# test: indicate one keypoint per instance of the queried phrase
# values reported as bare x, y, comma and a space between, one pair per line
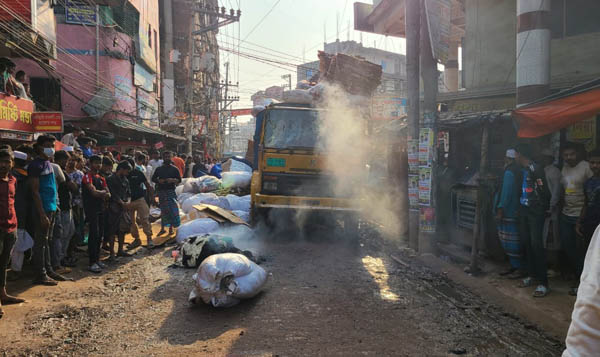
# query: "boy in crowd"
44, 191
95, 194
589, 219
63, 237
118, 218
106, 170
140, 187
23, 202
575, 173
8, 223
534, 203
74, 172
166, 178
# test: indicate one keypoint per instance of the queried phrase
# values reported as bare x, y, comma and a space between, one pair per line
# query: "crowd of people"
540, 207
55, 203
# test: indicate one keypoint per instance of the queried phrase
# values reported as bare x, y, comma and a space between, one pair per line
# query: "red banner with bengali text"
47, 122
15, 114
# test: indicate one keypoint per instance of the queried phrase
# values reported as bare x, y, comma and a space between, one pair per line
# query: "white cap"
20, 155
511, 154
68, 148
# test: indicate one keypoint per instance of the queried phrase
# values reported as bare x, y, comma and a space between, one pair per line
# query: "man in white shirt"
574, 174
154, 162
71, 138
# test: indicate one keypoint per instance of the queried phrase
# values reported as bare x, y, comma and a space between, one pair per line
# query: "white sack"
238, 203
242, 279
179, 190
23, 243
196, 227
297, 96
236, 179
208, 198
583, 338
239, 166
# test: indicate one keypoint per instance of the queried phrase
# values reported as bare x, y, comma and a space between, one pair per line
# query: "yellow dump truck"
290, 167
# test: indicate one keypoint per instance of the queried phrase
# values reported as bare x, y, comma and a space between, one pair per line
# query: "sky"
292, 30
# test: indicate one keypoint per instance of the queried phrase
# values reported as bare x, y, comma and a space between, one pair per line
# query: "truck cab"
290, 166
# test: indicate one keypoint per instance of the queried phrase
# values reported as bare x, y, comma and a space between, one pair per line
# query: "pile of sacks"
240, 206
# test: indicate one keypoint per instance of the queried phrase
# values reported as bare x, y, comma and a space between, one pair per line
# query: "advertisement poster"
413, 156
413, 190
426, 147
583, 132
425, 186
427, 220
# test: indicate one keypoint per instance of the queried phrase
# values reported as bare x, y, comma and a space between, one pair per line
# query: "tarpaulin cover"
550, 116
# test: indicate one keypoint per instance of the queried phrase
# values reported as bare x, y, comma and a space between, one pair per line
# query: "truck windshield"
289, 129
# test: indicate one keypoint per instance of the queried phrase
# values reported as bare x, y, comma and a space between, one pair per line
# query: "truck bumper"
308, 203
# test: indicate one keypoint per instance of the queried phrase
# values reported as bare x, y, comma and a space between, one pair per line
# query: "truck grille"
298, 185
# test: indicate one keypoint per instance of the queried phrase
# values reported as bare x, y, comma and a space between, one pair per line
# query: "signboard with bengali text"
15, 114
48, 122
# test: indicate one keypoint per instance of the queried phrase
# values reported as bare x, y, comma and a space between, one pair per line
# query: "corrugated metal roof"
144, 129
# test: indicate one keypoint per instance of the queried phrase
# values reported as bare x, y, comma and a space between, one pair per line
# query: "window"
574, 17
149, 36
45, 93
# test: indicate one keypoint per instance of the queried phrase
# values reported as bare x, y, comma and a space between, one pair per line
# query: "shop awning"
558, 111
144, 129
454, 120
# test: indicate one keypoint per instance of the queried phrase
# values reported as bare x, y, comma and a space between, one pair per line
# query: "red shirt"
179, 163
8, 215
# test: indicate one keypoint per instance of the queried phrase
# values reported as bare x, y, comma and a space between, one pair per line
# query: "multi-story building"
107, 76
27, 34
191, 77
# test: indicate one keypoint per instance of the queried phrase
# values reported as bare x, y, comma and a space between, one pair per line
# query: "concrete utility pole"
413, 26
189, 124
533, 50
430, 76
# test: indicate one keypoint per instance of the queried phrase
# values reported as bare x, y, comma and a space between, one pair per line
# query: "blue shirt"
508, 195
43, 170
87, 152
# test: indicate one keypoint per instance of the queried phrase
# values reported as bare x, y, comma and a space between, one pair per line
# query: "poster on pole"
426, 147
425, 186
439, 14
413, 156
413, 190
427, 220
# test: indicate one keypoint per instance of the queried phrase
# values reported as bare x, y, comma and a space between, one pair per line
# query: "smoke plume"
348, 150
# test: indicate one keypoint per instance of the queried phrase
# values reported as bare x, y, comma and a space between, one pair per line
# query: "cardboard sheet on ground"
219, 214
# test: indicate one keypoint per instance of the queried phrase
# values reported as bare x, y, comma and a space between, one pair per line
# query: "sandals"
527, 282
136, 243
541, 291
11, 300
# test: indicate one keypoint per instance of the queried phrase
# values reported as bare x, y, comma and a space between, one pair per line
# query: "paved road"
324, 298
